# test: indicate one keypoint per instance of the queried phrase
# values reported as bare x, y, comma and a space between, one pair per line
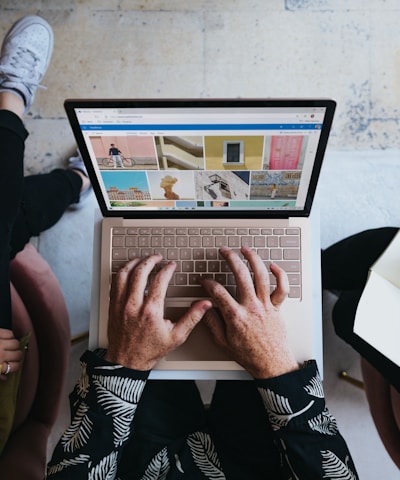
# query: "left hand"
138, 334
10, 353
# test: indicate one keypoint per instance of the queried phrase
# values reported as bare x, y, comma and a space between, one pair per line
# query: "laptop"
182, 177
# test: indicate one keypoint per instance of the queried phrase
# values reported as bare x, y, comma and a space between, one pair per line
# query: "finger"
120, 281
185, 325
220, 295
158, 288
139, 277
241, 273
261, 274
5, 333
10, 367
10, 345
215, 323
15, 366
281, 291
13, 355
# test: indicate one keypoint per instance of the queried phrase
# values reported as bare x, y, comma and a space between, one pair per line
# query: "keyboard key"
187, 266
272, 241
289, 266
188, 291
173, 254
294, 292
118, 241
119, 254
289, 241
233, 242
119, 231
131, 241
292, 254
192, 291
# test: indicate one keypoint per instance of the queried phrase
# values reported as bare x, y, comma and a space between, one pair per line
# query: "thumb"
216, 325
184, 326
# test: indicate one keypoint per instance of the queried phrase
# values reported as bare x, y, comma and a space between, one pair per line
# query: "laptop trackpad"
199, 346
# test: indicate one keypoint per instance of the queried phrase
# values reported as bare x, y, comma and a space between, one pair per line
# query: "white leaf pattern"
126, 388
324, 423
293, 475
119, 397
83, 384
315, 388
278, 408
204, 455
79, 460
78, 433
106, 469
158, 467
334, 468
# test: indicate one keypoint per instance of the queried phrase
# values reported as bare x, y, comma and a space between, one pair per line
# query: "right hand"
250, 329
10, 352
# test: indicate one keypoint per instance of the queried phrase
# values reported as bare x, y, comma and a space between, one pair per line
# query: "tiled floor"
162, 49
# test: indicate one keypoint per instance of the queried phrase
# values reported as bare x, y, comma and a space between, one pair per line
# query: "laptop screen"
237, 156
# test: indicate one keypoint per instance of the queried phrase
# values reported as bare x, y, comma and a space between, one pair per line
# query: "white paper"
378, 316
388, 264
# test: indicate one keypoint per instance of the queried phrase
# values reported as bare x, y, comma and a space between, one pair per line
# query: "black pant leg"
168, 411
44, 200
345, 264
241, 432
12, 141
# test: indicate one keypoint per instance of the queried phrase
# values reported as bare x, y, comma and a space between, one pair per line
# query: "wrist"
127, 361
268, 373
274, 366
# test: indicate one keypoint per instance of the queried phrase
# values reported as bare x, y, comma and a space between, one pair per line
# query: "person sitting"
128, 427
29, 205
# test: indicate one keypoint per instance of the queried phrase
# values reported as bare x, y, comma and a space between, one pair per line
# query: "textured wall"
347, 50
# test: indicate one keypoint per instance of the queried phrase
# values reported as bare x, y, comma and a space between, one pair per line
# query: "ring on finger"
8, 369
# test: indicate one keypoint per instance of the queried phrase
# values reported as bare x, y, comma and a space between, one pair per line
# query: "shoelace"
25, 59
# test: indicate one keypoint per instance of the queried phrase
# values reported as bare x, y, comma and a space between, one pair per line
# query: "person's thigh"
12, 138
168, 411
241, 432
345, 264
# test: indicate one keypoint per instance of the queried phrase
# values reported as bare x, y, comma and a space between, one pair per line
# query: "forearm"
306, 433
103, 406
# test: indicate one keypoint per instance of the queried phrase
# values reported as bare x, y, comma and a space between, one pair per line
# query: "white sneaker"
25, 56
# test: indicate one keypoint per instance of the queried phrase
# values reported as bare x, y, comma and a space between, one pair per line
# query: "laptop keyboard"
195, 251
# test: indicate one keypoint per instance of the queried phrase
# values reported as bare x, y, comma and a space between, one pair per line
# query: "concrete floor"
108, 48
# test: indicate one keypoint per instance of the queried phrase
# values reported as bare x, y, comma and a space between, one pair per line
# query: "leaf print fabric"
334, 468
279, 410
101, 440
302, 413
158, 467
79, 431
204, 455
118, 397
324, 423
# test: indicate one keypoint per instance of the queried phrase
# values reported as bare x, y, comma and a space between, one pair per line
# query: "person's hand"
10, 353
138, 334
250, 328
